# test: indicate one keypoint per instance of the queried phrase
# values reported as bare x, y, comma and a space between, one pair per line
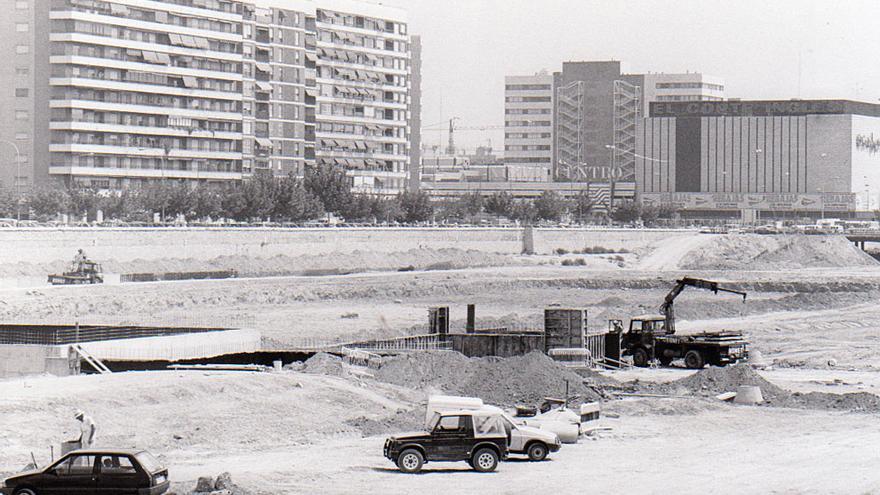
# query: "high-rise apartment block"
119, 93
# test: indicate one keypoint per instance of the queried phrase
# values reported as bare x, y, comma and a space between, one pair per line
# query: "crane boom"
667, 307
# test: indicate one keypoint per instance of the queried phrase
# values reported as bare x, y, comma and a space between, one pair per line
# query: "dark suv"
477, 437
90, 472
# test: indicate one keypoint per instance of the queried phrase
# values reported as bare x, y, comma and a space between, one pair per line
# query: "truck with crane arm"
653, 337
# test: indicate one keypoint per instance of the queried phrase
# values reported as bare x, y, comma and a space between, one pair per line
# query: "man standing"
88, 430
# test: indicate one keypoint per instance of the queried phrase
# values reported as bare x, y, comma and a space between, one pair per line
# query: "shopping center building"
760, 159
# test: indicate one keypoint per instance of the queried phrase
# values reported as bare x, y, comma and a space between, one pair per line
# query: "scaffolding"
627, 109
570, 164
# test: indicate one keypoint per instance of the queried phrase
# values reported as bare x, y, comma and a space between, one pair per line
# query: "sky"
769, 49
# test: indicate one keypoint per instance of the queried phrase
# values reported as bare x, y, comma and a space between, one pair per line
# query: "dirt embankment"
774, 252
279, 265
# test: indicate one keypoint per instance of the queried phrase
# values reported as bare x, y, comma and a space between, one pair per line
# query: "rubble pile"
714, 381
223, 485
500, 381
853, 402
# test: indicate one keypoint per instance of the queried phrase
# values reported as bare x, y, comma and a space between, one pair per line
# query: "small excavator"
652, 337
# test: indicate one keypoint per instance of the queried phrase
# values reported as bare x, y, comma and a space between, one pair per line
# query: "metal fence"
66, 334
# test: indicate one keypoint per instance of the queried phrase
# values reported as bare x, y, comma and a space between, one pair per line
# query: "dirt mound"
774, 252
402, 420
714, 381
855, 402
324, 364
501, 381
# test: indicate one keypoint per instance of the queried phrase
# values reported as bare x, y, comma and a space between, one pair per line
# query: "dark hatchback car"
93, 472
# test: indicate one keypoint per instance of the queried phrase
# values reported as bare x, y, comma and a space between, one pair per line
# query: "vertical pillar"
471, 318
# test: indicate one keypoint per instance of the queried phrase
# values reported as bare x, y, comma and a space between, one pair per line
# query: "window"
21, 92
116, 465
76, 465
21, 115
21, 136
21, 4
22, 27
451, 423
22, 49
22, 71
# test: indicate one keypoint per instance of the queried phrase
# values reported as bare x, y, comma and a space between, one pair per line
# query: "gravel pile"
714, 381
501, 381
324, 364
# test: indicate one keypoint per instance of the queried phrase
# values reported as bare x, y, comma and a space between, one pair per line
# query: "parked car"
521, 439
120, 472
477, 437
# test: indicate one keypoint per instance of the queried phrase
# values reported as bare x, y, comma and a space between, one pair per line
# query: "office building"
596, 111
122, 93
528, 120
772, 158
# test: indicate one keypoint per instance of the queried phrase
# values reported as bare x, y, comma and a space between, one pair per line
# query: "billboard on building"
752, 201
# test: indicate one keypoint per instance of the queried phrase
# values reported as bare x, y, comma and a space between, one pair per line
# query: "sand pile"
713, 381
854, 402
402, 420
775, 252
502, 381
324, 364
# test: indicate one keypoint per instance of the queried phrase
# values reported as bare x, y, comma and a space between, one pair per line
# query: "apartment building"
528, 120
363, 96
133, 91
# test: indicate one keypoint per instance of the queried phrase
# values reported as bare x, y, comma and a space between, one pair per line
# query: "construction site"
274, 361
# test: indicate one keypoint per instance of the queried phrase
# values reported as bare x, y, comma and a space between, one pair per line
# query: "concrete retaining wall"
25, 360
49, 245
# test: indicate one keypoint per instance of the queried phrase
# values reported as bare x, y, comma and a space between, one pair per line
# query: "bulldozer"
82, 271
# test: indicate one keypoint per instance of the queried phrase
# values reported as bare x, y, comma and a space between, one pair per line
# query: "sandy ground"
293, 440
287, 432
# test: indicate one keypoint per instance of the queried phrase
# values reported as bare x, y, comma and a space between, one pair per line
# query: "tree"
331, 186
7, 203
293, 202
83, 201
550, 206
500, 204
208, 203
627, 212
48, 201
416, 206
523, 211
583, 205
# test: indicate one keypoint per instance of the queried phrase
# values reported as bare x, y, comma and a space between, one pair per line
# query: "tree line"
291, 199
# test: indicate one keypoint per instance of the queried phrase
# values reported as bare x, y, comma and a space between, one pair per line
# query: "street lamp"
17, 179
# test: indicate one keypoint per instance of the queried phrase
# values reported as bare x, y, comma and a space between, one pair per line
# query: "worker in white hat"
88, 430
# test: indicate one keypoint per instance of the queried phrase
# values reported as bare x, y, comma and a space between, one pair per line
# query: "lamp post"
17, 179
